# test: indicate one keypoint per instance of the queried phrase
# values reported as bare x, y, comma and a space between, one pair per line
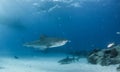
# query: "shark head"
58, 43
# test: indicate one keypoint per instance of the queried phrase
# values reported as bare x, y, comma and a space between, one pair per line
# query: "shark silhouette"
47, 42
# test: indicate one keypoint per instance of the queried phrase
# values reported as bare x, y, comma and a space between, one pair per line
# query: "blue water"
92, 24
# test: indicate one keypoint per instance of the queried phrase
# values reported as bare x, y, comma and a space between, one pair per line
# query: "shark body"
47, 42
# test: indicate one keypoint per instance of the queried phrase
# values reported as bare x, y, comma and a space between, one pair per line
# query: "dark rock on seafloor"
2, 67
118, 68
16, 57
105, 57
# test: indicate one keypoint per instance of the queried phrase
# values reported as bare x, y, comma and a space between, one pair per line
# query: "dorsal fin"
42, 37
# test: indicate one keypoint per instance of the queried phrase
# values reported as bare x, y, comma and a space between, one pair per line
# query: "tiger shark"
46, 42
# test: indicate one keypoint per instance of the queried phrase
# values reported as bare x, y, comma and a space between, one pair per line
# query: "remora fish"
47, 42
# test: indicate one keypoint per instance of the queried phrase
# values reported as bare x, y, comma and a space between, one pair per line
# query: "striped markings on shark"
47, 42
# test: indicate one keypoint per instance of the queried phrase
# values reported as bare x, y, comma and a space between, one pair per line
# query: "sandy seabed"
50, 64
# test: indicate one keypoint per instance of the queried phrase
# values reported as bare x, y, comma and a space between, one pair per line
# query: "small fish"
110, 45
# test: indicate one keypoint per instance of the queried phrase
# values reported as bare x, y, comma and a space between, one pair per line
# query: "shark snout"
69, 40
65, 41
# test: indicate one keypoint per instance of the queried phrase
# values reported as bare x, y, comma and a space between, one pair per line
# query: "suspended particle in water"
59, 18
35, 4
118, 33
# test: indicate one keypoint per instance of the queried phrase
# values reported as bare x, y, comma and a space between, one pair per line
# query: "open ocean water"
85, 24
